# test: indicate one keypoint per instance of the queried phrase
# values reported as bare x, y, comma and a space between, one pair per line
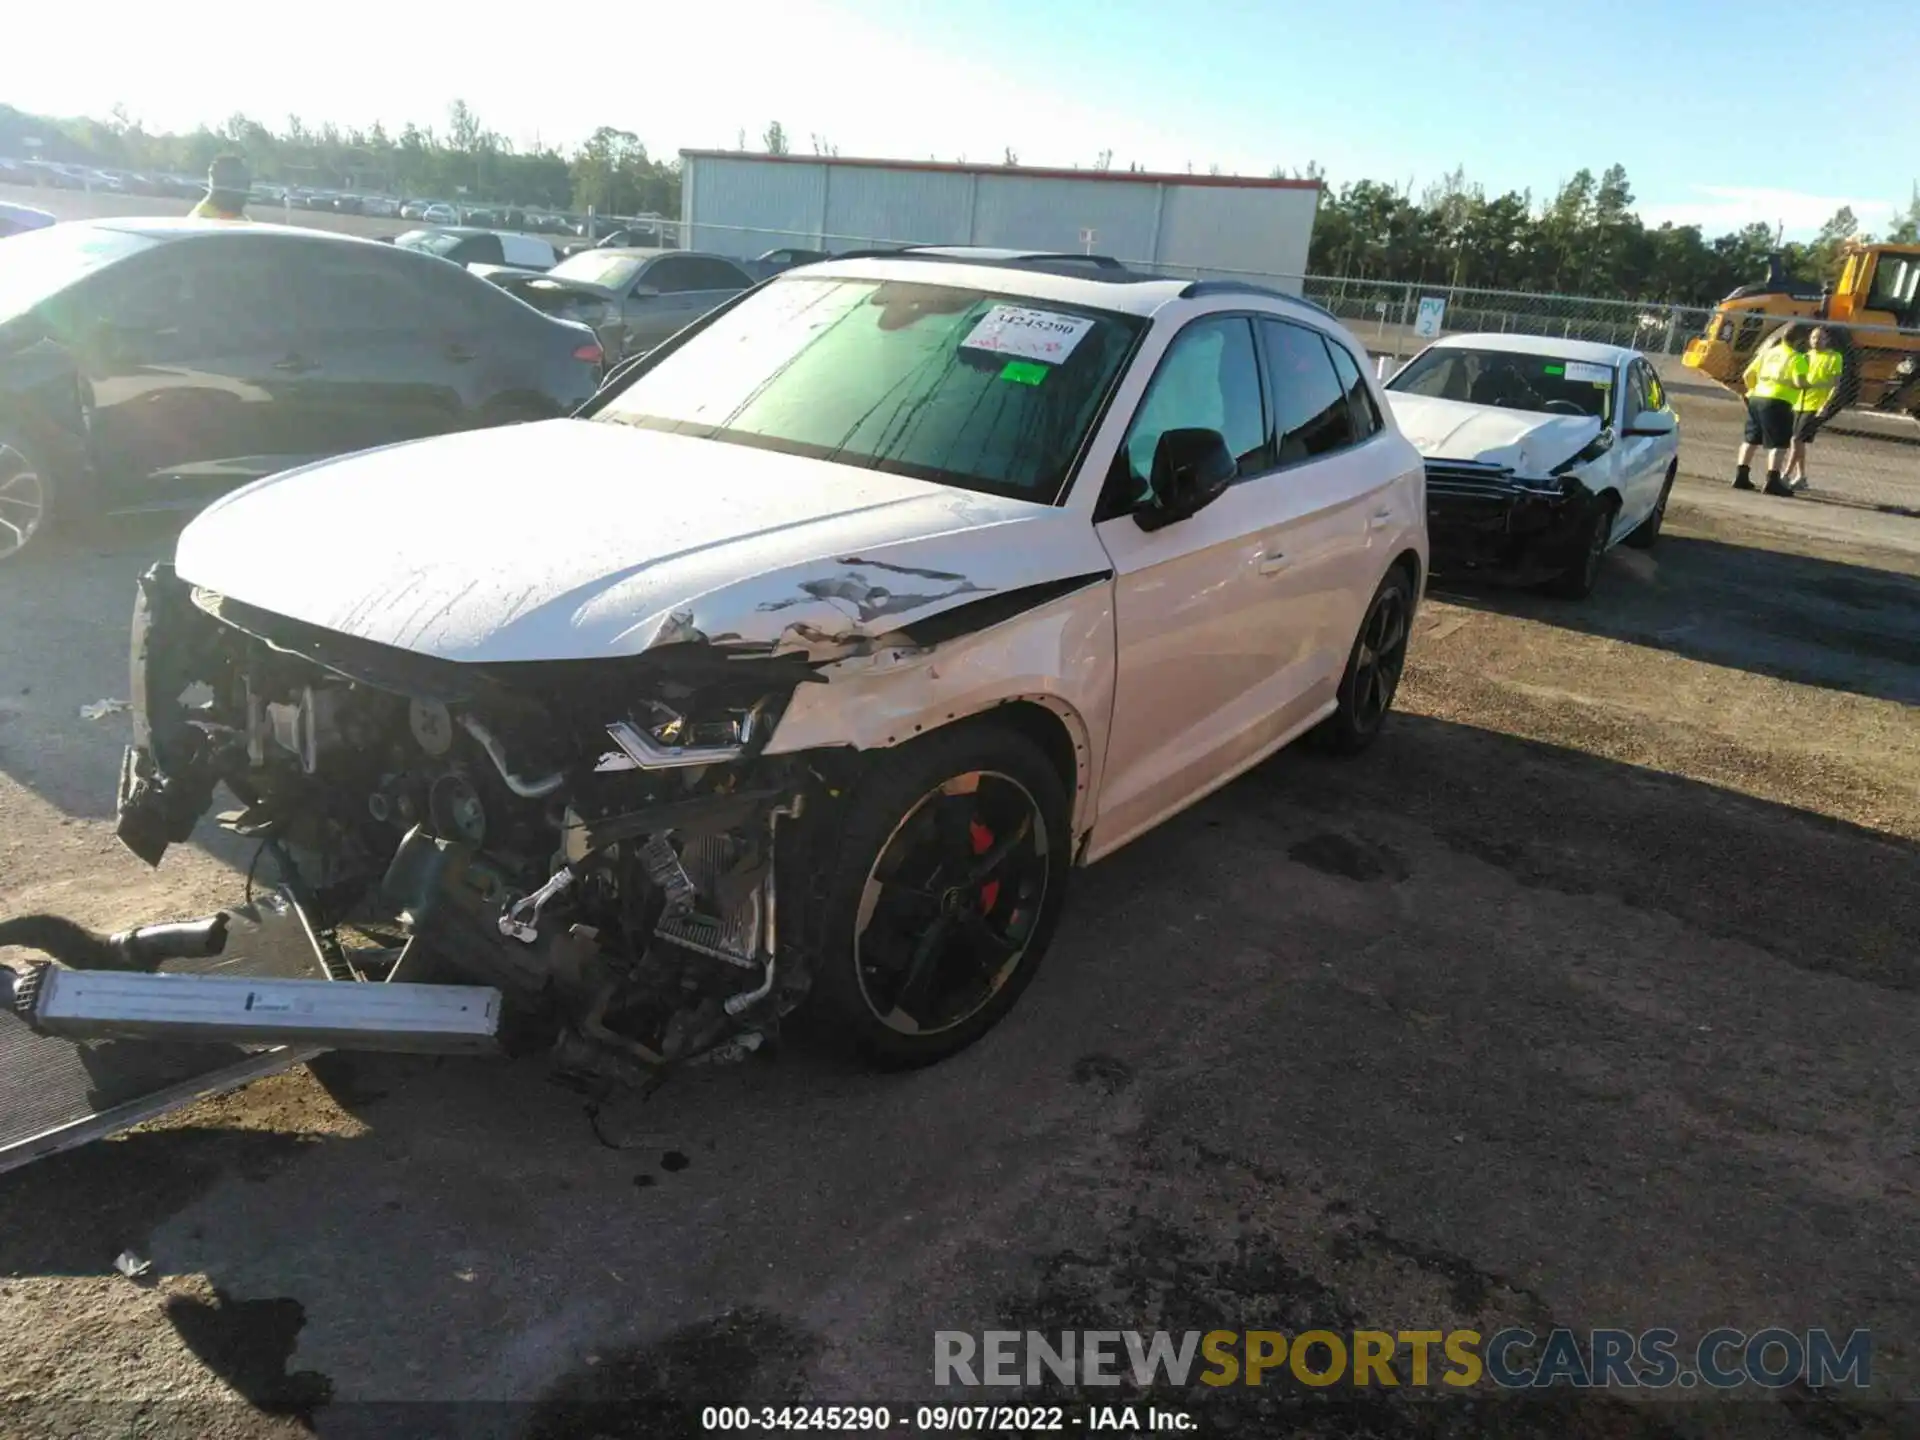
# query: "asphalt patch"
80, 1209
673, 1162
1349, 859
1148, 1274
745, 1357
1108, 1072
248, 1343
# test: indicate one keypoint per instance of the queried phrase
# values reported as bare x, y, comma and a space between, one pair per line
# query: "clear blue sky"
1520, 92
1710, 106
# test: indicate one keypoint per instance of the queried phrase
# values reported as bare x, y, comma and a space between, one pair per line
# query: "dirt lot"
1587, 998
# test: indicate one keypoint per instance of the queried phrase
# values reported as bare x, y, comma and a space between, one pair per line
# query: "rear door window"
672, 274
711, 274
1311, 412
344, 291
478, 250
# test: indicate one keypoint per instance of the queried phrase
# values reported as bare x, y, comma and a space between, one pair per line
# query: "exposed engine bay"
598, 841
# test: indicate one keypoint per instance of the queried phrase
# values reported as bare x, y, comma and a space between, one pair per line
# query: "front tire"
28, 497
1647, 534
1578, 580
942, 894
1374, 666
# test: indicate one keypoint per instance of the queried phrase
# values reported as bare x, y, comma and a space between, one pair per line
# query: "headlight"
1595, 448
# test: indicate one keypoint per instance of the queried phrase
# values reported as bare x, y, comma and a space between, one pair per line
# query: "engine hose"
496, 752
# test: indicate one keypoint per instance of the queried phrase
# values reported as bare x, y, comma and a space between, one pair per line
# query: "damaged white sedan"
801, 666
1542, 454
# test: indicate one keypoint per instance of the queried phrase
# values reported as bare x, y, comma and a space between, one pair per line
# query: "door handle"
295, 365
1273, 564
459, 354
1378, 520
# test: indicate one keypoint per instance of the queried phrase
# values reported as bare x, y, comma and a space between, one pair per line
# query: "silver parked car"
633, 298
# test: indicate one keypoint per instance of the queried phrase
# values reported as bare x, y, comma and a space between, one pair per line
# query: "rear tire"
941, 894
1647, 534
29, 496
1374, 667
1577, 582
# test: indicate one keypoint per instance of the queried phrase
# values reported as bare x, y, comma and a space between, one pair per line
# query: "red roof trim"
1031, 172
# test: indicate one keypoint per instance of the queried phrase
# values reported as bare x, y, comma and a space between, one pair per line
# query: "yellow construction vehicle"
1874, 308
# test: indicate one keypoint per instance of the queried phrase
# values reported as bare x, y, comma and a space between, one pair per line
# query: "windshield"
1511, 381
37, 264
610, 272
989, 392
434, 242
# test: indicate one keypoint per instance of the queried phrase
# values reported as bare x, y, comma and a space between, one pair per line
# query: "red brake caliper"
982, 842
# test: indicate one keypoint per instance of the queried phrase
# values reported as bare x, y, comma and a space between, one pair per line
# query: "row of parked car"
59, 175
574, 231
632, 296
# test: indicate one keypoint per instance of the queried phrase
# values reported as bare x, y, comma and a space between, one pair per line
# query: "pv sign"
1433, 309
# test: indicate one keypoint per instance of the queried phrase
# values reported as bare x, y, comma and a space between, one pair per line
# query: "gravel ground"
1588, 997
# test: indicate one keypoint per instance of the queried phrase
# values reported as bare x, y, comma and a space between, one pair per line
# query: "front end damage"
597, 840
1493, 522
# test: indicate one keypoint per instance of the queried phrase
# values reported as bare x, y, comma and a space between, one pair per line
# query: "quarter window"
1361, 405
1209, 380
1311, 413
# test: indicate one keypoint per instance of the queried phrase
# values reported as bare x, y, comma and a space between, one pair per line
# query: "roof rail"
1102, 262
1103, 266
1198, 289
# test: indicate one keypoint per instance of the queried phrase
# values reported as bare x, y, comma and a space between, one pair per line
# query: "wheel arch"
1049, 721
1409, 561
1056, 727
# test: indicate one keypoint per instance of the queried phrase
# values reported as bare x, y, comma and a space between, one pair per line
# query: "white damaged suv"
804, 664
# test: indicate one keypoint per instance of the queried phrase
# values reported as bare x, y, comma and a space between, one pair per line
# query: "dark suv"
151, 364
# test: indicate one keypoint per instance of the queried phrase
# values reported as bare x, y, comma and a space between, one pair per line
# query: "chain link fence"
1868, 455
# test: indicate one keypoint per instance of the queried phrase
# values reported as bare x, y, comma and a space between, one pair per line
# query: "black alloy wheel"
943, 875
950, 903
1374, 667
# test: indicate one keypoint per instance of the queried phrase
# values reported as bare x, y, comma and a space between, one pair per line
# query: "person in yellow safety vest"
227, 187
1774, 381
1826, 363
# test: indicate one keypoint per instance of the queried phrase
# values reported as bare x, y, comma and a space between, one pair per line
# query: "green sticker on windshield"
1556, 369
1025, 372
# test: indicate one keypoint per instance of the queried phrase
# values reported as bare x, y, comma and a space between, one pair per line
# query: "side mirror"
1192, 468
1654, 422
645, 292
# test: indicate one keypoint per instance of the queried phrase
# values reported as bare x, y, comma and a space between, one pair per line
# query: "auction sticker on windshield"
1579, 370
1028, 334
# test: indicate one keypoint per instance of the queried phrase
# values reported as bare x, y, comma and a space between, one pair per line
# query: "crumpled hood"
578, 539
1531, 443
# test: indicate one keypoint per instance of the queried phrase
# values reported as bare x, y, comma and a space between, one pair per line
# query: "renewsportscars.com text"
1458, 1359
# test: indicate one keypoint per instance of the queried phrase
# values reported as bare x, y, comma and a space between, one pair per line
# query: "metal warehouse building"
1208, 226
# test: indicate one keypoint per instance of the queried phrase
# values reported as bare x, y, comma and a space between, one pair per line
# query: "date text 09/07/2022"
945, 1419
